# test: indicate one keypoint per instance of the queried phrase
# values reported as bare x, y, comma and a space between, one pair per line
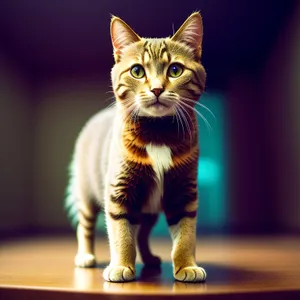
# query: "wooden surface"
251, 268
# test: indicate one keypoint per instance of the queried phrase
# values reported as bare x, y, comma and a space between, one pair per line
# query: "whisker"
112, 104
209, 128
200, 104
176, 119
128, 113
128, 106
180, 120
187, 114
183, 114
182, 111
109, 99
205, 107
135, 117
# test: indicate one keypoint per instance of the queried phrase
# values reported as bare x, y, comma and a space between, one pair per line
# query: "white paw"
119, 274
190, 274
85, 260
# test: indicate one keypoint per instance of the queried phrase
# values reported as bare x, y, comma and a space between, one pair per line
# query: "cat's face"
158, 77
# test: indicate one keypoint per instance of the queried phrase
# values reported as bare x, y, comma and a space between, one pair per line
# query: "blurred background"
55, 60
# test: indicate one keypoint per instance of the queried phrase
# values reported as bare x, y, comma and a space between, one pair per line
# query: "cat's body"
140, 158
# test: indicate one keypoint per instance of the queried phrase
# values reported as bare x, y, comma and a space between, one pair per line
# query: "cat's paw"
190, 274
152, 260
85, 260
119, 274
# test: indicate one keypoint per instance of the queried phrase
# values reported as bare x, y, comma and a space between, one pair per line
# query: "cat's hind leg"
87, 217
147, 223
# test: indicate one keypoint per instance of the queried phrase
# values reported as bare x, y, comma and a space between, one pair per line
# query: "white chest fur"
161, 157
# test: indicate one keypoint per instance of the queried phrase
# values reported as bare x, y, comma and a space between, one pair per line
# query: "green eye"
137, 71
175, 70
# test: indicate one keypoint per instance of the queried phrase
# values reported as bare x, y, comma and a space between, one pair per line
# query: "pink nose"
157, 91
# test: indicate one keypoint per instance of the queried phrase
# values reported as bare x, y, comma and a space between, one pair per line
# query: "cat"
140, 157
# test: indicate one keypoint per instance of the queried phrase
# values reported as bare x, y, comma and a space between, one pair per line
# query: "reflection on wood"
43, 269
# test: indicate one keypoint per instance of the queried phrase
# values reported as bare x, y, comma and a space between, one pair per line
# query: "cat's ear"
191, 33
121, 35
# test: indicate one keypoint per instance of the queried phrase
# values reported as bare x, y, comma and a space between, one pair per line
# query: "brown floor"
238, 268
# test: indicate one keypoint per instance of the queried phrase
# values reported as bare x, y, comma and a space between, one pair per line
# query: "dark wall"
57, 58
72, 36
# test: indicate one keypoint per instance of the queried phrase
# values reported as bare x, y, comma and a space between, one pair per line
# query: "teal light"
212, 172
208, 172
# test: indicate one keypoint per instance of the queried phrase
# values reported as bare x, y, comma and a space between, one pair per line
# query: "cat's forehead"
150, 50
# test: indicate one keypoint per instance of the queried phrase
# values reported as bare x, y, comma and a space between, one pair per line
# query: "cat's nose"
157, 91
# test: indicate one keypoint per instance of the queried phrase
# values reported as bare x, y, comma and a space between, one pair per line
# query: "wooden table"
238, 268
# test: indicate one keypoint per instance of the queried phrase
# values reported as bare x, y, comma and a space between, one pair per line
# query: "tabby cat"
140, 157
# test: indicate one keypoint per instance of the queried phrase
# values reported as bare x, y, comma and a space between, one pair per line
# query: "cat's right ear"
121, 35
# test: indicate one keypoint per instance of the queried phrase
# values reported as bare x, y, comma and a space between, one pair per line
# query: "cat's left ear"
121, 35
191, 33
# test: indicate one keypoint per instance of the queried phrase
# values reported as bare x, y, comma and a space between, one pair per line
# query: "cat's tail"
71, 201
72, 204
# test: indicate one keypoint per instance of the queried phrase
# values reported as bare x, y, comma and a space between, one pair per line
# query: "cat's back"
97, 129
92, 148
89, 161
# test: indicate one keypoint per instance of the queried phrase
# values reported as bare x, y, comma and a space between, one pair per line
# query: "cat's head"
158, 77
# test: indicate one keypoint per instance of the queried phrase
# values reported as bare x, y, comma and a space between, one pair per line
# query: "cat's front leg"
182, 225
121, 227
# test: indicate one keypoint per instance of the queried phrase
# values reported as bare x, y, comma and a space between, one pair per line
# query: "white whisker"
180, 120
205, 107
109, 98
135, 116
176, 119
209, 128
200, 104
183, 111
112, 104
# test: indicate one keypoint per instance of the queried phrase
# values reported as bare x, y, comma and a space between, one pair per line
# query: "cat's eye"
137, 71
175, 70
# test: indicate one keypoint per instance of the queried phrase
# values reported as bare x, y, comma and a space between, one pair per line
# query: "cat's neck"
162, 131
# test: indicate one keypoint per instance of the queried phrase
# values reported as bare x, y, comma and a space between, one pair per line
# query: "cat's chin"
156, 110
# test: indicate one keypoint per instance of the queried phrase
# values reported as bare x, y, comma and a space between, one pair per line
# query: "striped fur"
140, 157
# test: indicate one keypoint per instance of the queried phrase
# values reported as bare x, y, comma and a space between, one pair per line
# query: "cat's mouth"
157, 108
157, 104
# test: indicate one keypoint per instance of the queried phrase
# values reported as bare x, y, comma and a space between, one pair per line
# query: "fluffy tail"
71, 202
71, 205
